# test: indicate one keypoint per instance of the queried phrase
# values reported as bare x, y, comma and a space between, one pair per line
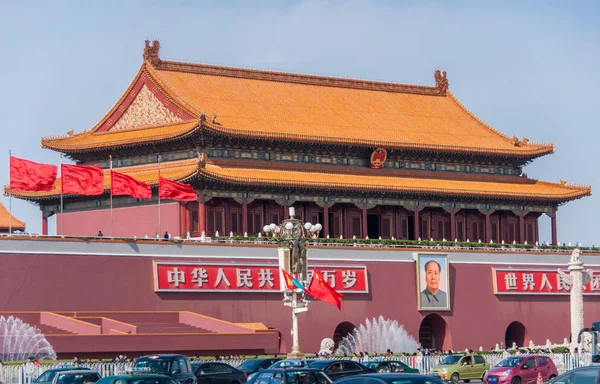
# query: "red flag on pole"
26, 175
319, 289
122, 184
84, 180
173, 190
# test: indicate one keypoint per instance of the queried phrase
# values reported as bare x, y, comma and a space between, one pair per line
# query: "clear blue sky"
527, 68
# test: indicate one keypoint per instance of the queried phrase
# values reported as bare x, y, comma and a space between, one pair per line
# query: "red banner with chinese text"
210, 277
538, 282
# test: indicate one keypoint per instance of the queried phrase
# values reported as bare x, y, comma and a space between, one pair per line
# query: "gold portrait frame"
436, 301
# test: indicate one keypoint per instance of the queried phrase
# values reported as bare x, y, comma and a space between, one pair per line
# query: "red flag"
121, 184
319, 289
289, 281
173, 190
84, 180
26, 175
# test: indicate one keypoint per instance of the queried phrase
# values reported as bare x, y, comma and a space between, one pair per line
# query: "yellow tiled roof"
274, 105
4, 220
173, 170
90, 139
417, 182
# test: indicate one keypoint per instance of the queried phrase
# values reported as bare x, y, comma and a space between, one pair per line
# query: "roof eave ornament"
441, 82
151, 51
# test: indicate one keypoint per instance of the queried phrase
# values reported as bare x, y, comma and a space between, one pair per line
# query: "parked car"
76, 376
523, 369
583, 375
177, 367
389, 378
461, 367
254, 365
335, 369
289, 376
47, 376
387, 366
137, 378
218, 373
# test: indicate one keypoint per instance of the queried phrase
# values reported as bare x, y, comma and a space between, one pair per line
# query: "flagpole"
111, 198
9, 196
159, 229
62, 184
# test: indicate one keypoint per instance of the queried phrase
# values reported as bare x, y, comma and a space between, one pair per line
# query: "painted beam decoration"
215, 277
509, 281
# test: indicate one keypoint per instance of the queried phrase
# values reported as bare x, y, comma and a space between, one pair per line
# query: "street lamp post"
292, 237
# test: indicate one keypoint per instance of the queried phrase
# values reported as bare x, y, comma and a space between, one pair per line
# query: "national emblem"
378, 157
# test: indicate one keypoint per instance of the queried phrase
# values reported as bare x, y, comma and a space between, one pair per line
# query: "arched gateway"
434, 333
341, 331
516, 333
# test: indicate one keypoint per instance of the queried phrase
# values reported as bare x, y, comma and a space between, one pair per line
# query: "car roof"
162, 356
137, 376
79, 371
67, 369
391, 375
286, 369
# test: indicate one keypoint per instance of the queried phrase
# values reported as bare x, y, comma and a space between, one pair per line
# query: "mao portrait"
433, 283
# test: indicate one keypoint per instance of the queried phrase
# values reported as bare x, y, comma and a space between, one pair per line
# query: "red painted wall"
104, 283
127, 222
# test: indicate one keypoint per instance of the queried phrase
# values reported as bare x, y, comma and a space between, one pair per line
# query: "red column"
286, 212
416, 224
201, 217
325, 220
488, 227
244, 216
364, 221
452, 225
554, 231
522, 228
44, 224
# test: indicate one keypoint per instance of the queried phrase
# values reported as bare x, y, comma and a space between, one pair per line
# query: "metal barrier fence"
21, 374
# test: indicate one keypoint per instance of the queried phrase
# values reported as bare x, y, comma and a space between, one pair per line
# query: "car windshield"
151, 380
249, 365
77, 378
450, 360
319, 364
371, 364
510, 362
156, 366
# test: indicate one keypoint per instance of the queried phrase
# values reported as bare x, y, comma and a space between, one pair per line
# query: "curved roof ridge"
514, 140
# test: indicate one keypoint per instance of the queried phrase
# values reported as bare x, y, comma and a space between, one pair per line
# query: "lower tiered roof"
5, 222
255, 174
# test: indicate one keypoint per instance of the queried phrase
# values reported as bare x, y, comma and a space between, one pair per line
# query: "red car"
521, 369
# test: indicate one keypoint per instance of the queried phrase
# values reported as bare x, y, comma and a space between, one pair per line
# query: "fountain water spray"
377, 336
19, 340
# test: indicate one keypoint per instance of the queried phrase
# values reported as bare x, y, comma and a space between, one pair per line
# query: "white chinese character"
244, 277
329, 275
265, 276
348, 278
511, 281
545, 282
176, 276
221, 277
200, 276
595, 282
562, 284
528, 282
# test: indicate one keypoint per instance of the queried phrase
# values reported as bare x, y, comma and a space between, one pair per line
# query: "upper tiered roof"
5, 222
170, 100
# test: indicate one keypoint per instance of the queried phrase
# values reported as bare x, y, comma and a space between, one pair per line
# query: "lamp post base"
296, 354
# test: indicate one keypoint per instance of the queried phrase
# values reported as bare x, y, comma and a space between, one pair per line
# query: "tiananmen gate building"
398, 164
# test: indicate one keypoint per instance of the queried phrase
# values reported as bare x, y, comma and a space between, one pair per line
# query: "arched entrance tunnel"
516, 333
434, 333
341, 331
